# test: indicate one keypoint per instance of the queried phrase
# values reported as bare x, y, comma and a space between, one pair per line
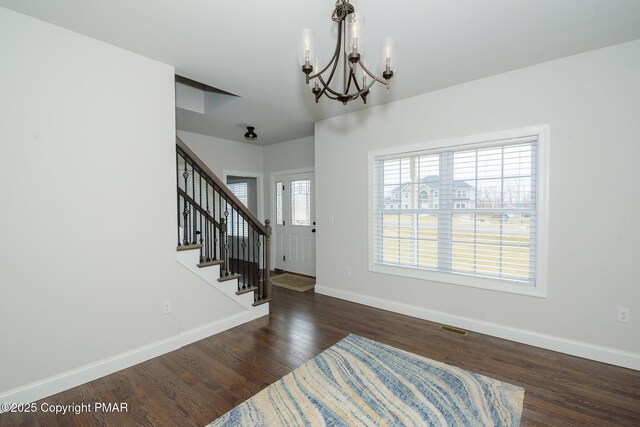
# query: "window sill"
500, 285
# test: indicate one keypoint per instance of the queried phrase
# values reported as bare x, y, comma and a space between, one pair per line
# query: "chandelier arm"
355, 95
355, 82
335, 56
335, 61
352, 76
373, 76
326, 88
364, 89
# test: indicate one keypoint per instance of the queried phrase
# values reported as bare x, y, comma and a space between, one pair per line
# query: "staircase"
219, 238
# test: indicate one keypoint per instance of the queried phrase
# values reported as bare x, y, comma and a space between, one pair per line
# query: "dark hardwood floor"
196, 384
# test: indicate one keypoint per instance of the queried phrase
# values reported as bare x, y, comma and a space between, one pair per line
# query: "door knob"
313, 230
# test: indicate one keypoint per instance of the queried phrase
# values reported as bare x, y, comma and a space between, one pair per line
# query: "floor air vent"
453, 330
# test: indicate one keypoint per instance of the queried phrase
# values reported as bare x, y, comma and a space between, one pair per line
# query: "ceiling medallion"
357, 79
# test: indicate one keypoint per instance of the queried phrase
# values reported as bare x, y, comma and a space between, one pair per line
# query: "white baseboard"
58, 383
550, 342
196, 334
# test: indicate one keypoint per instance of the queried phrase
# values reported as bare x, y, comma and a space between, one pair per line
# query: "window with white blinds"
237, 226
469, 212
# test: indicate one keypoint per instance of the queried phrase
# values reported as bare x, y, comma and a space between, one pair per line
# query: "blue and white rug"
361, 382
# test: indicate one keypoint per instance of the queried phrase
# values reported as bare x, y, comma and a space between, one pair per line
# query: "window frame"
292, 204
539, 288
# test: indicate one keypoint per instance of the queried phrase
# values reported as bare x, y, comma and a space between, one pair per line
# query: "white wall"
222, 154
285, 156
592, 104
200, 303
189, 98
288, 155
88, 219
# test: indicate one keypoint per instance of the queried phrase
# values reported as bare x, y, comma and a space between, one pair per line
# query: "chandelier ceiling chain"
349, 50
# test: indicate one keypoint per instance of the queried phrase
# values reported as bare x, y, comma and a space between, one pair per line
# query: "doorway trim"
272, 196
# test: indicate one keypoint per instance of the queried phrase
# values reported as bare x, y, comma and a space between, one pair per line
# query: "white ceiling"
249, 47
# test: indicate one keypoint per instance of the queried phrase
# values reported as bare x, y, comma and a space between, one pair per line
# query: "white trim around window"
537, 287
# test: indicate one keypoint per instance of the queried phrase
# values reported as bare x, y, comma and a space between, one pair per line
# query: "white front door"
294, 230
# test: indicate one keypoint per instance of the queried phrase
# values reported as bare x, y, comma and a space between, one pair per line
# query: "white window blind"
470, 210
236, 225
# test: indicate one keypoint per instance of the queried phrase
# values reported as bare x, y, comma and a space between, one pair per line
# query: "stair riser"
190, 260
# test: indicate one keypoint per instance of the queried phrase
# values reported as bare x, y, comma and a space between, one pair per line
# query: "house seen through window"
470, 211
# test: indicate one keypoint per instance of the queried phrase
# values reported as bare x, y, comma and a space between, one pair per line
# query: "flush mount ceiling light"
250, 135
349, 50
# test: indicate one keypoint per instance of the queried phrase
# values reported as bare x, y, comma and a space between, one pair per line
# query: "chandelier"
357, 78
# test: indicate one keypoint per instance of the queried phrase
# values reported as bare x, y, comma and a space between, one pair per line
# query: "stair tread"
188, 247
229, 277
210, 263
264, 301
247, 290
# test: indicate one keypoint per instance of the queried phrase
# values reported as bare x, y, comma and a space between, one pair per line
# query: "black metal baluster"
221, 232
248, 261
212, 230
178, 194
234, 246
236, 241
256, 261
206, 237
212, 250
220, 237
223, 245
226, 245
244, 245
185, 212
193, 192
200, 230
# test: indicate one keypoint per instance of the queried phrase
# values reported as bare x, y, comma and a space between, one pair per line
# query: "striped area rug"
359, 382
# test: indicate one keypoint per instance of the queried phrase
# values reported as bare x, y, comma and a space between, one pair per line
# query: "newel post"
267, 263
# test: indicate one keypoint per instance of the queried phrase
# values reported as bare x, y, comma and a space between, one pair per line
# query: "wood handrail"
208, 173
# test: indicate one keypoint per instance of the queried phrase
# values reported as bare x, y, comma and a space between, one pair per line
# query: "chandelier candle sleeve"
361, 76
306, 47
347, 59
355, 33
388, 64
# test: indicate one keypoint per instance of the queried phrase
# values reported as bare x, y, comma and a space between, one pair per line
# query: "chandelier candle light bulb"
349, 50
355, 34
387, 58
306, 49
